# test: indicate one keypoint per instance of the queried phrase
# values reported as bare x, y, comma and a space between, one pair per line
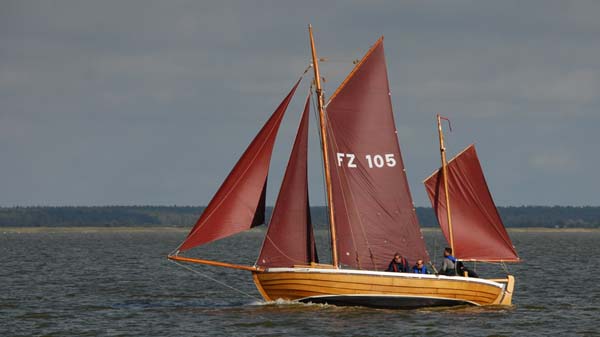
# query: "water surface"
119, 283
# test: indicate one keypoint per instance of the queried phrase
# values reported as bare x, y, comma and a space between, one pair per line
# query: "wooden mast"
445, 176
320, 102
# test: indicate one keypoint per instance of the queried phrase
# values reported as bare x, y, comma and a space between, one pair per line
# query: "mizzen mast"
320, 102
445, 176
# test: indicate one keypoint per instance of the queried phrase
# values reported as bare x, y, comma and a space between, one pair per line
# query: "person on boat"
463, 270
420, 268
449, 264
398, 264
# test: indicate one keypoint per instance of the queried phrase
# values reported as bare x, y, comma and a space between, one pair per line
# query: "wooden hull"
380, 289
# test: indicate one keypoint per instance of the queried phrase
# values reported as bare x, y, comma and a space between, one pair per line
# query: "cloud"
137, 94
560, 161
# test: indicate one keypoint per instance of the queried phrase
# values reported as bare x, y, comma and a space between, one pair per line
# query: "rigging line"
323, 190
497, 262
340, 60
282, 252
435, 248
342, 177
349, 199
239, 179
215, 280
306, 70
195, 230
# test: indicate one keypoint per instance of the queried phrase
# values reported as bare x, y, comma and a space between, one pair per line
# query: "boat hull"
379, 289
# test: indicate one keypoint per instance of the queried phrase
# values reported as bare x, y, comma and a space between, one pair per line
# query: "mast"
478, 233
320, 100
445, 175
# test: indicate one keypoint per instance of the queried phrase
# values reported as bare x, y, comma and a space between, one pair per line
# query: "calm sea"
119, 283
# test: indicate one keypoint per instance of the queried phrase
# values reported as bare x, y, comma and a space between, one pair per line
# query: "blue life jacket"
422, 270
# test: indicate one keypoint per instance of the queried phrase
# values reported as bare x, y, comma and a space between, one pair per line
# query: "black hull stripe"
385, 302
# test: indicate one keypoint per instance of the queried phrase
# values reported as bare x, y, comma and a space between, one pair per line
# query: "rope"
502, 265
215, 280
340, 60
323, 190
306, 70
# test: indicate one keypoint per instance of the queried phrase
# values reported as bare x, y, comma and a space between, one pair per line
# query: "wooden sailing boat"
370, 208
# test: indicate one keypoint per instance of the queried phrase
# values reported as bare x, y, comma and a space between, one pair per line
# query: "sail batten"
479, 233
239, 204
290, 239
374, 216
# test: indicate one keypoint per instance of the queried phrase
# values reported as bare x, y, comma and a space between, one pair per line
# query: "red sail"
477, 229
289, 240
239, 203
373, 208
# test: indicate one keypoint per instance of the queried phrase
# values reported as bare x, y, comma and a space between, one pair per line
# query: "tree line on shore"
186, 216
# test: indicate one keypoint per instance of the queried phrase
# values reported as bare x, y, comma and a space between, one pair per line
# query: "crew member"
398, 264
449, 264
419, 268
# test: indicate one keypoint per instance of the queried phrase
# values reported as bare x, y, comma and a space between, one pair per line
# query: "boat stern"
505, 297
508, 291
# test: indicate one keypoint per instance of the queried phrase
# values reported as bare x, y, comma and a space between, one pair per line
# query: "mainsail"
290, 239
476, 225
239, 204
373, 208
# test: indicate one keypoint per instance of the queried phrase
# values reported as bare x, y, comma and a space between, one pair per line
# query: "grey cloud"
149, 102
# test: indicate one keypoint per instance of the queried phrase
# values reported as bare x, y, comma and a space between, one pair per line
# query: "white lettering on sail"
377, 161
373, 161
340, 158
390, 160
349, 156
351, 163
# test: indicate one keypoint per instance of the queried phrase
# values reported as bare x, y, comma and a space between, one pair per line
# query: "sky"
142, 102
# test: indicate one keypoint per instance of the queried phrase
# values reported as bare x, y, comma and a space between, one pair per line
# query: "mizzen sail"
374, 213
290, 239
478, 231
239, 204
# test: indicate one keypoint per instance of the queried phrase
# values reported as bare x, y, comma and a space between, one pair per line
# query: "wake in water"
282, 302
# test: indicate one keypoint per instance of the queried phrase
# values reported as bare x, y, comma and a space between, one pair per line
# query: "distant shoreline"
155, 229
184, 217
